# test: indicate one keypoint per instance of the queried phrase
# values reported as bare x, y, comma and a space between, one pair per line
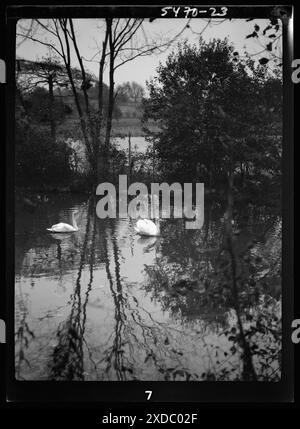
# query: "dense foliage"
37, 107
39, 160
216, 113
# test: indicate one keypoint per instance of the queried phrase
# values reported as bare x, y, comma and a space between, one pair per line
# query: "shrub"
37, 158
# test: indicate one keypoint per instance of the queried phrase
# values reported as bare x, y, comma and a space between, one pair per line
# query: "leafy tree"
269, 37
215, 113
37, 106
123, 92
130, 92
47, 73
137, 92
38, 158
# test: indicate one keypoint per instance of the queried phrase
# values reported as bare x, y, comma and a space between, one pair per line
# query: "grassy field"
130, 121
119, 127
132, 125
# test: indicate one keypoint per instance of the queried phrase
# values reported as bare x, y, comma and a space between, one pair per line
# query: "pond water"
106, 304
138, 144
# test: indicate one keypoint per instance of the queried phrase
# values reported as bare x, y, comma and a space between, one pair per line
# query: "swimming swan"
64, 227
147, 227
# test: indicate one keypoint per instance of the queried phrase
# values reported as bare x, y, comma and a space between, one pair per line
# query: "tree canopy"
215, 112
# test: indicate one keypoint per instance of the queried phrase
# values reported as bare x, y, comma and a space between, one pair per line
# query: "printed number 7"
149, 393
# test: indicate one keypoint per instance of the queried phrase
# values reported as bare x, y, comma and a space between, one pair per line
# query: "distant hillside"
127, 114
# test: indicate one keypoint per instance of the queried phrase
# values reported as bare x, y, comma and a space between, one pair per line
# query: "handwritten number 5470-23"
193, 11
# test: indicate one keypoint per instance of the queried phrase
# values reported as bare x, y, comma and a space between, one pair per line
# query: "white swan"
65, 227
147, 227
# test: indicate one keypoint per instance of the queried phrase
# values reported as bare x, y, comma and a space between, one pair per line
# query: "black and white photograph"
148, 196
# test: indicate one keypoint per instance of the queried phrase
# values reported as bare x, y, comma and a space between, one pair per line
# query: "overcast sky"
90, 33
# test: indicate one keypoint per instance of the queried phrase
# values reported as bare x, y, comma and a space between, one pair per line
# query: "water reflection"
106, 304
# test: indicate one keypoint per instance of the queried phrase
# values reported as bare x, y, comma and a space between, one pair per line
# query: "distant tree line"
130, 91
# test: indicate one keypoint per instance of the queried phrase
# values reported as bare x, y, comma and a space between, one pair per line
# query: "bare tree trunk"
111, 97
249, 373
129, 158
101, 102
51, 110
94, 138
67, 60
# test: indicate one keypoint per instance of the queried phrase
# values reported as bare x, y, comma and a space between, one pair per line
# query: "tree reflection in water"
248, 288
67, 361
168, 308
